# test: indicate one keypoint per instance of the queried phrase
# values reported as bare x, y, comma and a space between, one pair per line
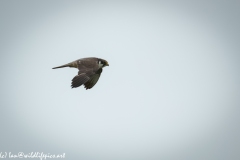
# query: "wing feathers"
92, 81
79, 80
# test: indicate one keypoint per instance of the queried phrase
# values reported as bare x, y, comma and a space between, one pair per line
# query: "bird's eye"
99, 62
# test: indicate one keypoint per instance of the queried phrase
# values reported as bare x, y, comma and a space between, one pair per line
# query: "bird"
90, 69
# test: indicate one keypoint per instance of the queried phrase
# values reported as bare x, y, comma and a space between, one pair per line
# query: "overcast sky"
171, 91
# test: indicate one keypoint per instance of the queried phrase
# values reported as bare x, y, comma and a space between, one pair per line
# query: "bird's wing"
88, 77
89, 73
80, 79
93, 80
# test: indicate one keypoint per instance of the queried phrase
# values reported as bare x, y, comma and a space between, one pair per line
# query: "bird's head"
102, 63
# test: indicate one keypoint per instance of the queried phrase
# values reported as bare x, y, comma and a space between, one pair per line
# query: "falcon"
89, 72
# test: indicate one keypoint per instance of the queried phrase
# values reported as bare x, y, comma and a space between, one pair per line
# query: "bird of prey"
89, 72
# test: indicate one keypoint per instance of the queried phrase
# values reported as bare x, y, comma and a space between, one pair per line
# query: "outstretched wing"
80, 79
93, 80
88, 77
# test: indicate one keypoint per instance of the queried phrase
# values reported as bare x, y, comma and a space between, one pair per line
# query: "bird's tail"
71, 64
65, 65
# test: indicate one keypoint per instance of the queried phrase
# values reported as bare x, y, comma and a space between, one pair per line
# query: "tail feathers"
66, 65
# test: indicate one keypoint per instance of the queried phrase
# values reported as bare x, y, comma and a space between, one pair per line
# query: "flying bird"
89, 72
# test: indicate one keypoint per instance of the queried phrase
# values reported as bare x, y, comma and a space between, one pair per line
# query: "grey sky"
171, 91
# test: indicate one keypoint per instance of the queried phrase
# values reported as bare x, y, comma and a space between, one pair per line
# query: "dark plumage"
89, 72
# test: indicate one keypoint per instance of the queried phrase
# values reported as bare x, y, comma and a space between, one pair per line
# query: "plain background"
171, 91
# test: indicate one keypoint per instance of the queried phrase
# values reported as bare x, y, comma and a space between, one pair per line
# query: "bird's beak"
107, 64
